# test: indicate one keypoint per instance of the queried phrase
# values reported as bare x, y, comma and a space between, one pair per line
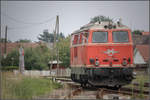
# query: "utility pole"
57, 47
5, 44
149, 69
0, 68
56, 39
52, 54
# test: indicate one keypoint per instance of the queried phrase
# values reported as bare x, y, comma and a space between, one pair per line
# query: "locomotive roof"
97, 25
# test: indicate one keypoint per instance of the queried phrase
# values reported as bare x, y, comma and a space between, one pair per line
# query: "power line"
31, 25
24, 27
22, 22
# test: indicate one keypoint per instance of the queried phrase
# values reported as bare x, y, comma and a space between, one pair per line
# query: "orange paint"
108, 54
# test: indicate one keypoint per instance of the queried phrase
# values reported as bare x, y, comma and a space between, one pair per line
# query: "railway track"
67, 79
106, 93
146, 84
102, 93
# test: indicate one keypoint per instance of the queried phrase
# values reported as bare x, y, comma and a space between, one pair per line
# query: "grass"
21, 87
141, 79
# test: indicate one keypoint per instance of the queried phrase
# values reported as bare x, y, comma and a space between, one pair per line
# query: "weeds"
21, 87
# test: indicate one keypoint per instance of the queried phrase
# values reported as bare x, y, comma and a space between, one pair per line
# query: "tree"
100, 18
49, 37
35, 58
61, 35
46, 36
137, 32
12, 58
23, 41
64, 51
2, 40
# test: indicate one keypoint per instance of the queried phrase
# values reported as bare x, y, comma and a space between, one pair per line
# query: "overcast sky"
27, 19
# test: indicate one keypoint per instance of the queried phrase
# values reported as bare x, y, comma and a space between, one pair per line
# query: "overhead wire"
22, 22
24, 27
19, 21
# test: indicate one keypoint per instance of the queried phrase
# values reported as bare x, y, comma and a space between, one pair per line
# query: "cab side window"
80, 40
85, 37
75, 40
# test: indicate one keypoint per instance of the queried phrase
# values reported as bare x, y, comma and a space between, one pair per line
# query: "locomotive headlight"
124, 63
96, 62
129, 60
92, 60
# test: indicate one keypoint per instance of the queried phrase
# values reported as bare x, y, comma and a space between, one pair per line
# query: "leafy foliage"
23, 41
11, 59
3, 40
137, 32
49, 37
38, 58
9, 68
100, 18
64, 51
35, 58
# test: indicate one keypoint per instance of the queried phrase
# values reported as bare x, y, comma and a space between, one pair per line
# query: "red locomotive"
102, 54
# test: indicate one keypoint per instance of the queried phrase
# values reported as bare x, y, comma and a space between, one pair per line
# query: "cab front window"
100, 37
120, 36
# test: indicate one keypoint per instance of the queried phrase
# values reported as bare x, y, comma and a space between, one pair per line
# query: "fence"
53, 72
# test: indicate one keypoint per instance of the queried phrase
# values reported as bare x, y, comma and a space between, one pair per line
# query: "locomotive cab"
102, 54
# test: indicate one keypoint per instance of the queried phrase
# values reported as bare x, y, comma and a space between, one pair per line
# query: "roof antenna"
108, 21
119, 22
99, 20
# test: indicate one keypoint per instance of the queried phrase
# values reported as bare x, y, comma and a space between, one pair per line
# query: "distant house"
62, 71
12, 46
145, 33
140, 39
54, 64
141, 55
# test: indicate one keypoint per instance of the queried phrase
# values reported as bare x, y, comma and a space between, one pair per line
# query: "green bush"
12, 58
38, 58
8, 68
64, 51
35, 58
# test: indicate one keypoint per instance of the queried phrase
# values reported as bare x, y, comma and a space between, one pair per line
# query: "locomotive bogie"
102, 76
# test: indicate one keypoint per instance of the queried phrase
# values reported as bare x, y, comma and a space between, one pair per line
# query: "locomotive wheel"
84, 85
73, 77
116, 87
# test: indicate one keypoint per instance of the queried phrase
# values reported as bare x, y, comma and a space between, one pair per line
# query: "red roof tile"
145, 33
11, 46
144, 51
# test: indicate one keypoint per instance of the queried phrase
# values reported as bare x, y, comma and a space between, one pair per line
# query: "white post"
21, 60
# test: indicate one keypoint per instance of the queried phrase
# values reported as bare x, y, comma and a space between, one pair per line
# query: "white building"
141, 54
